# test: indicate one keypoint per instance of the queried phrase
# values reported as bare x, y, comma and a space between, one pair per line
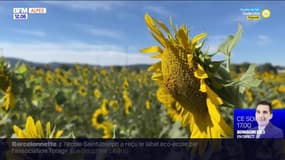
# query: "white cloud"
263, 40
102, 32
30, 32
87, 5
158, 10
74, 52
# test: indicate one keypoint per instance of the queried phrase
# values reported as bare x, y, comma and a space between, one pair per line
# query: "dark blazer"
271, 131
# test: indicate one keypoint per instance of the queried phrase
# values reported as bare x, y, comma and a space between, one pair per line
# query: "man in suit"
265, 128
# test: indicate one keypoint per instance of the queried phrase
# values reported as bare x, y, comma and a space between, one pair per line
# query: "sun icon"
265, 13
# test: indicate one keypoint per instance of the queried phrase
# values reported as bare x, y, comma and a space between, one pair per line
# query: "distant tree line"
266, 67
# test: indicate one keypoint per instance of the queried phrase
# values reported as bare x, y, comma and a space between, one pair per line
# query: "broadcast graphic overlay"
245, 122
23, 13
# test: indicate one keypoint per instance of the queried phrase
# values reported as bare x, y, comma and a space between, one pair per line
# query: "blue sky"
113, 32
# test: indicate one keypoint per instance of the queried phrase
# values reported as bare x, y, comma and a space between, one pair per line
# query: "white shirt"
260, 131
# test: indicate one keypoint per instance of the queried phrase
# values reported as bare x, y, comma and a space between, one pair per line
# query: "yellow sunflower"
107, 127
58, 108
76, 82
99, 121
35, 130
277, 104
125, 84
82, 91
114, 104
281, 89
184, 82
249, 95
97, 93
98, 118
127, 102
48, 77
9, 99
98, 115
147, 104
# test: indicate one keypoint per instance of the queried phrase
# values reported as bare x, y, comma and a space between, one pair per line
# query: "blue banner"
245, 122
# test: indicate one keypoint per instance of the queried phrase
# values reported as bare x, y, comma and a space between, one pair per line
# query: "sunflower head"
179, 62
190, 82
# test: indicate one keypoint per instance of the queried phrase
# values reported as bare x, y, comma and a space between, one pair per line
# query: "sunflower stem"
228, 63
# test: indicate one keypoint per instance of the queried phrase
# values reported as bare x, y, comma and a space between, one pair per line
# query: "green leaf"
22, 69
247, 80
229, 44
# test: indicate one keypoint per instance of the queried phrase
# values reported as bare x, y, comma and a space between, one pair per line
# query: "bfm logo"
20, 13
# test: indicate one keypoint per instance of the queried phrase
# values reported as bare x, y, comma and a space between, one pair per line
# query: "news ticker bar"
139, 148
22, 13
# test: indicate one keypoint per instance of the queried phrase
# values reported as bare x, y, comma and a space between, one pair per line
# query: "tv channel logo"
20, 13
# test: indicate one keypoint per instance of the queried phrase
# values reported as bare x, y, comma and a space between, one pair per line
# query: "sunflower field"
83, 101
184, 95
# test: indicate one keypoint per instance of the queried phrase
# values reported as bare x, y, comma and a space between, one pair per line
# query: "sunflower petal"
18, 131
200, 73
157, 77
218, 120
189, 60
163, 26
48, 131
39, 129
198, 37
30, 128
163, 96
58, 133
151, 49
203, 86
155, 31
213, 96
154, 67
182, 37
159, 55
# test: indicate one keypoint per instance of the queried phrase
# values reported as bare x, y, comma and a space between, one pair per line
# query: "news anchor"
265, 128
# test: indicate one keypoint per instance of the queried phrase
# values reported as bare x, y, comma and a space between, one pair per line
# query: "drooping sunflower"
100, 122
35, 130
187, 79
125, 84
127, 102
49, 77
6, 85
107, 127
9, 99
